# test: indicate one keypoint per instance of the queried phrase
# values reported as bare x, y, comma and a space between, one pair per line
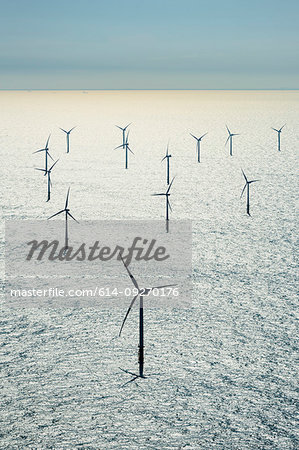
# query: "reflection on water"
223, 370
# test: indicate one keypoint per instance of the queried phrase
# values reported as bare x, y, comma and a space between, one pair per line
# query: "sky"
157, 44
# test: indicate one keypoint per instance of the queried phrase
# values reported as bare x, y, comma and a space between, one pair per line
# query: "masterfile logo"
146, 250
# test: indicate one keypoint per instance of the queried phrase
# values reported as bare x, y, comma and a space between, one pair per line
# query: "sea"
220, 373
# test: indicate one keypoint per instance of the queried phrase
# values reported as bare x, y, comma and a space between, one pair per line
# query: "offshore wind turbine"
230, 138
127, 149
67, 214
123, 133
198, 145
167, 156
48, 172
141, 292
167, 205
47, 154
67, 138
247, 184
278, 135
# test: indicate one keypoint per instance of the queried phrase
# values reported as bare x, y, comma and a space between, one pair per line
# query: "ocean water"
222, 374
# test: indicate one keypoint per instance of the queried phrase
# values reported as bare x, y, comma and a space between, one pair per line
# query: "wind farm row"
47, 170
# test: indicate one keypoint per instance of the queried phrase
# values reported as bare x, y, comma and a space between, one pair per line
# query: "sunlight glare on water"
222, 373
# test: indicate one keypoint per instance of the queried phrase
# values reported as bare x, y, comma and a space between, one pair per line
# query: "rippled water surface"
222, 373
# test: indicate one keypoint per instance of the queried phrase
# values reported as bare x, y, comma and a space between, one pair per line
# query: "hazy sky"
142, 44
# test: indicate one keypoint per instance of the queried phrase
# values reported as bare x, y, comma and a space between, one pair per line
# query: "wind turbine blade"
243, 190
50, 155
41, 150
165, 286
202, 136
228, 129
154, 195
63, 130
130, 150
59, 212
282, 127
130, 373
67, 198
130, 274
72, 217
131, 381
168, 202
127, 313
53, 165
253, 181
244, 176
127, 126
227, 139
275, 129
120, 146
170, 185
163, 158
43, 170
47, 143
72, 129
194, 136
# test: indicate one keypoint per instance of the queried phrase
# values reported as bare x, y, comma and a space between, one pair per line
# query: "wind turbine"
168, 206
278, 135
230, 138
127, 149
67, 213
167, 156
141, 292
124, 133
48, 172
67, 138
46, 150
198, 145
247, 183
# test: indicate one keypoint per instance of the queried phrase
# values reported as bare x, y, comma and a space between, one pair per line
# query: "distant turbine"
247, 183
230, 138
127, 149
124, 133
141, 292
48, 172
67, 138
67, 213
168, 206
198, 145
278, 135
46, 150
167, 156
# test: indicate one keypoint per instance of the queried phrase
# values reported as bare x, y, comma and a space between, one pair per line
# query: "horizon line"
150, 89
